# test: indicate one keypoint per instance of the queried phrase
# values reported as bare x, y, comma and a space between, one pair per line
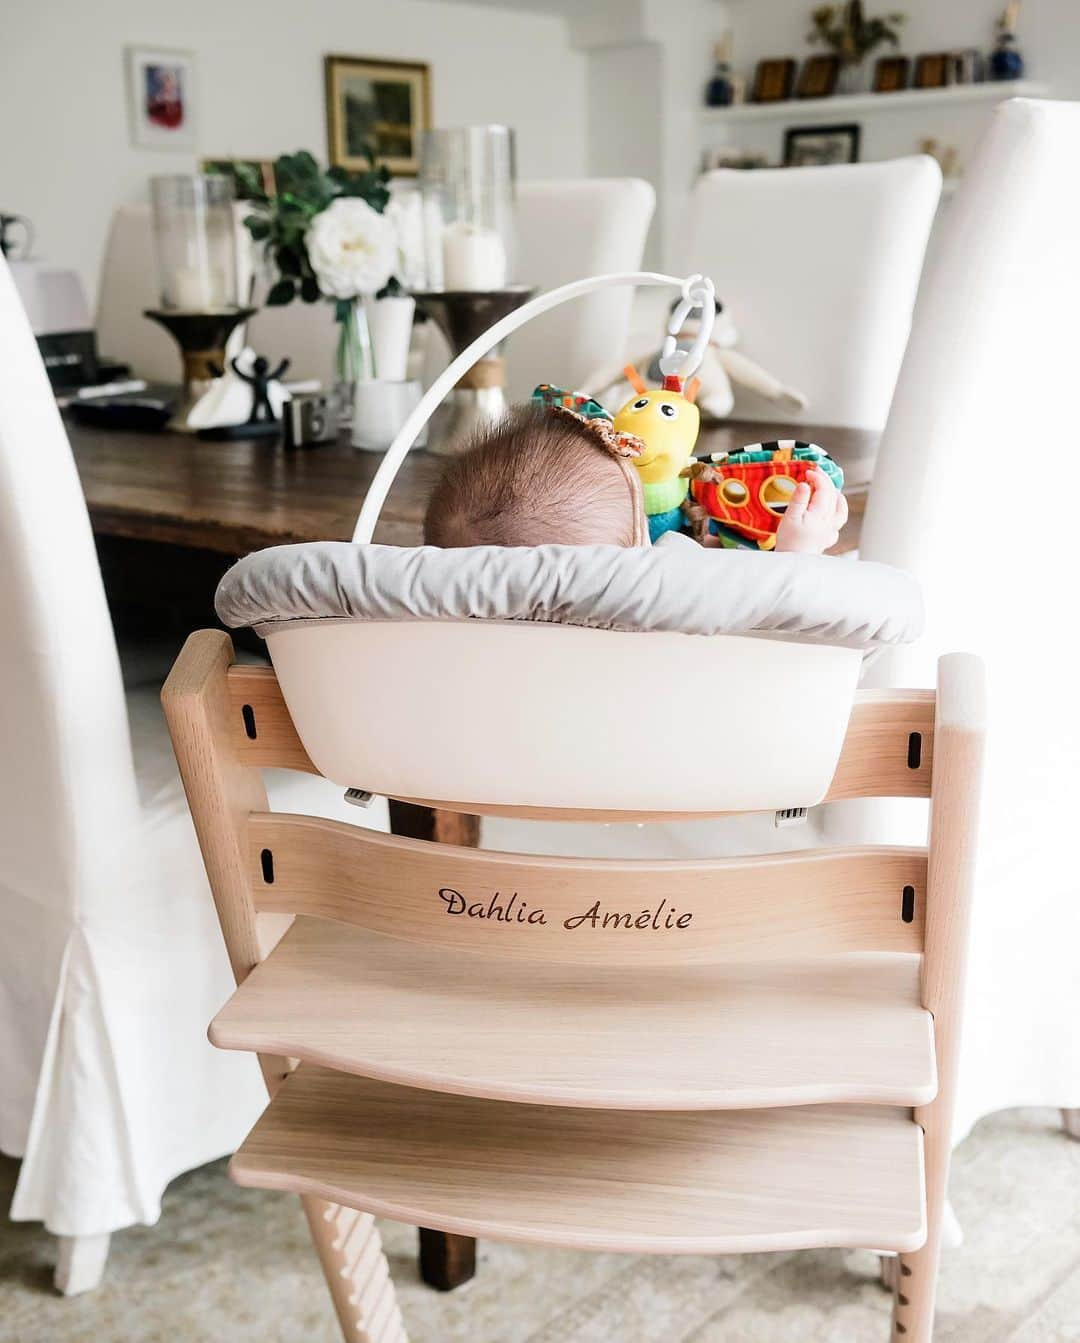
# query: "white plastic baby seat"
595, 677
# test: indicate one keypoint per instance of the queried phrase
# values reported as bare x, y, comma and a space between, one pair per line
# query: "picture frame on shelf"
820, 146
264, 168
384, 104
931, 70
818, 76
891, 74
161, 91
773, 81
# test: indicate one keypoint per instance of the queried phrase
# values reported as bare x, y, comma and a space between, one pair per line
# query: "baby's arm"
814, 517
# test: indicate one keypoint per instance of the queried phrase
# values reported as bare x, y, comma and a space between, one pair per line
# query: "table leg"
446, 1261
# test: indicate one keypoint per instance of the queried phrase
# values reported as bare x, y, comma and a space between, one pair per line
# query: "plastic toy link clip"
697, 292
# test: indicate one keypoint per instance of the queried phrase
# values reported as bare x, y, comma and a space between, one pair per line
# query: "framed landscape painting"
381, 105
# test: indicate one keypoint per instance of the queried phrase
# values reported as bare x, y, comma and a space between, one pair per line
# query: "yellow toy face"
668, 426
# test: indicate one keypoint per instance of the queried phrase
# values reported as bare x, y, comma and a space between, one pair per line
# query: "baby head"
540, 476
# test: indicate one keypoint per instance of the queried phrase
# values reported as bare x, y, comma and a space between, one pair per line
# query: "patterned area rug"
236, 1264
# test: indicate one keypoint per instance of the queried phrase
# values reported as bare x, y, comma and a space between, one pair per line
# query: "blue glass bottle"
1005, 61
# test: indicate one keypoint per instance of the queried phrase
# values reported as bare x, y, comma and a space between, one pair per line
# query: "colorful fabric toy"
740, 497
667, 421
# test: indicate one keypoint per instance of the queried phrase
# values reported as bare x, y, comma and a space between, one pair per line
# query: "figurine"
260, 378
1005, 61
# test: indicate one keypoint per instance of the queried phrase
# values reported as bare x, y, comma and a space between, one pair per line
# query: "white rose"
352, 248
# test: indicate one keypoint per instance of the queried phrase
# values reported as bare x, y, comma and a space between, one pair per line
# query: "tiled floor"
236, 1265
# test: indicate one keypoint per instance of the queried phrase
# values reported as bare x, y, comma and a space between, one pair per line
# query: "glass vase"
353, 362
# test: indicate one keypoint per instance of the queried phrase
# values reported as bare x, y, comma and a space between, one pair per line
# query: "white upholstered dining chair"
819, 268
973, 493
567, 230
110, 957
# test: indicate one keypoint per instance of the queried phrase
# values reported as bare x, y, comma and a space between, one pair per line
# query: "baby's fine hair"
535, 478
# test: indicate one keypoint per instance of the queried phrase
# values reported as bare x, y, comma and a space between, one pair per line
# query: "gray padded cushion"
675, 585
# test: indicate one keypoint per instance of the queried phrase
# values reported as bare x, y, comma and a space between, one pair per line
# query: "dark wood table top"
237, 497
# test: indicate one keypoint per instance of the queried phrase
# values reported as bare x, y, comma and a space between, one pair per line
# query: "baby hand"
814, 516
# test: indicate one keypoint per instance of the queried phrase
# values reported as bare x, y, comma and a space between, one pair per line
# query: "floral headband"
622, 446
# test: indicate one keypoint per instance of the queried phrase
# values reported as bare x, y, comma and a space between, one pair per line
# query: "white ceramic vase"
390, 323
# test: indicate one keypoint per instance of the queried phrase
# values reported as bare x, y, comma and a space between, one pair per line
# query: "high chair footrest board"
839, 1029
721, 1182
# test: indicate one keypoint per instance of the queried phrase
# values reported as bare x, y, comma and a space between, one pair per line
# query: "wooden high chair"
708, 1056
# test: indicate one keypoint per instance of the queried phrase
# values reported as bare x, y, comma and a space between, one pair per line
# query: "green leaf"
281, 293
258, 227
309, 289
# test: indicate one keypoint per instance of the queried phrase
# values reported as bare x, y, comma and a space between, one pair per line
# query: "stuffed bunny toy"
721, 366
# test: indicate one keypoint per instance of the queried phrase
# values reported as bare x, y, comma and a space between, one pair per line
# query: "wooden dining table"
171, 512
232, 498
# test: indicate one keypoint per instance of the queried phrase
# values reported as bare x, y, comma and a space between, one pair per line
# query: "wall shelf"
843, 106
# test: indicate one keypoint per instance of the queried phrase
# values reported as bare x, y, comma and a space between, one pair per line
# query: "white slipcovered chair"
567, 229
110, 958
972, 493
818, 268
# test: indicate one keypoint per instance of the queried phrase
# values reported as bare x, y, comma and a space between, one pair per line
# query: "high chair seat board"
643, 1182
832, 1029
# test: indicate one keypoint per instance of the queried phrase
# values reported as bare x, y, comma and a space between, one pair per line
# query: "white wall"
66, 158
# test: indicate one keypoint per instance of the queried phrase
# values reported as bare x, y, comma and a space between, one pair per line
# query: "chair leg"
80, 1264
915, 1290
446, 1261
357, 1273
1070, 1120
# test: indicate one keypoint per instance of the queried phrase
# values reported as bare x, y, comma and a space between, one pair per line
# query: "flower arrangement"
328, 236
850, 34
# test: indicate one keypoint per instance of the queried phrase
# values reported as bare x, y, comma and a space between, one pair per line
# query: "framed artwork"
818, 76
817, 146
931, 71
262, 168
773, 81
161, 97
891, 74
384, 105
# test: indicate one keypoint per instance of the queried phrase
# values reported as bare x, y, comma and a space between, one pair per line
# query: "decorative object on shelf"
891, 74
1005, 60
259, 170
196, 256
847, 31
818, 76
376, 107
8, 242
328, 236
467, 186
720, 90
931, 70
965, 67
817, 146
161, 98
773, 81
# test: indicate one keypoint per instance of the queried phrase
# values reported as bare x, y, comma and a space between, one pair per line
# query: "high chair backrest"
229, 721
